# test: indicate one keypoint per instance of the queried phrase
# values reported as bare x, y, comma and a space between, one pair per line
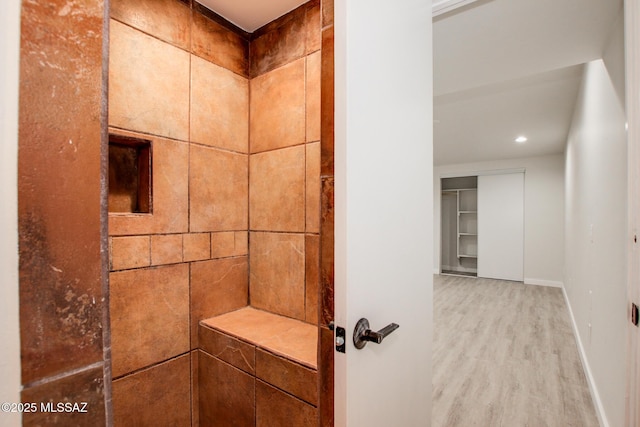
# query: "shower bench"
277, 353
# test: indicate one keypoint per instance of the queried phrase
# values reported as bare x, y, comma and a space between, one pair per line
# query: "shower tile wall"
278, 107
167, 20
278, 274
149, 316
219, 121
218, 189
277, 196
177, 79
156, 386
285, 187
224, 186
170, 188
170, 267
59, 196
285, 164
154, 96
326, 273
216, 44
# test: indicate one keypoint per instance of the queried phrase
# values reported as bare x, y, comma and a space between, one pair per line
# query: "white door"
501, 226
384, 209
632, 47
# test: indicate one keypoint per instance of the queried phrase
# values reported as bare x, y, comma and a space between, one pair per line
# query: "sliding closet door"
501, 226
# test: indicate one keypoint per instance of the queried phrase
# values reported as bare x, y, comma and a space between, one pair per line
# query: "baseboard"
542, 282
595, 396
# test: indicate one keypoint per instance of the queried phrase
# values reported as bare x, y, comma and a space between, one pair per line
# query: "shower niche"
129, 175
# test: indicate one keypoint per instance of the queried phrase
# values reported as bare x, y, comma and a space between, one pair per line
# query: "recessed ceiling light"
521, 139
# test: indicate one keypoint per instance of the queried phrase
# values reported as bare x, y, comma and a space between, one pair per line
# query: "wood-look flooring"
504, 354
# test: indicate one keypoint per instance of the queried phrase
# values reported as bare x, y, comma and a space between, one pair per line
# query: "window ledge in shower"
285, 337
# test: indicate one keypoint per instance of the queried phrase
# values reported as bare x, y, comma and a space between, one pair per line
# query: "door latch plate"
340, 339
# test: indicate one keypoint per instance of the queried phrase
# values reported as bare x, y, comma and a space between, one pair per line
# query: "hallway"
504, 354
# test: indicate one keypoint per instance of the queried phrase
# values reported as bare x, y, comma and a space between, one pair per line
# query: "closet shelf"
461, 213
454, 190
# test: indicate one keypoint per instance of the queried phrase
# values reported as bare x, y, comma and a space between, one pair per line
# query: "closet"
482, 225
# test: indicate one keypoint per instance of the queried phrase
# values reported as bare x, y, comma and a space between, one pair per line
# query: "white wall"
9, 326
543, 213
595, 224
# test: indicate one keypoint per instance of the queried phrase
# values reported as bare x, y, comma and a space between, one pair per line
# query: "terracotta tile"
275, 408
280, 335
219, 45
242, 242
312, 193
298, 343
326, 252
227, 395
86, 387
312, 279
130, 252
219, 106
166, 249
219, 19
279, 42
295, 14
313, 24
250, 324
168, 20
227, 348
196, 246
277, 108
325, 369
277, 190
218, 182
170, 163
327, 103
149, 316
313, 96
195, 389
229, 243
59, 187
160, 395
223, 244
327, 13
296, 379
217, 286
148, 84
277, 273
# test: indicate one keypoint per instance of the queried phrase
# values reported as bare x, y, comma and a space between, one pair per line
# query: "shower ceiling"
251, 14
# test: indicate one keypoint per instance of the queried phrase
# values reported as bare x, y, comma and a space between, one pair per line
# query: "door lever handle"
363, 334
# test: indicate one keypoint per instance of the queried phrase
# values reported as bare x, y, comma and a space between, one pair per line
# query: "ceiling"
251, 14
504, 68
